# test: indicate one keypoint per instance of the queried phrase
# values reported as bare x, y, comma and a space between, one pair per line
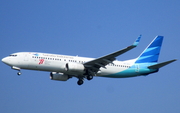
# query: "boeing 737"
63, 67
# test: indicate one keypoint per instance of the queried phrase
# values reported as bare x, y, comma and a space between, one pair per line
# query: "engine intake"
58, 76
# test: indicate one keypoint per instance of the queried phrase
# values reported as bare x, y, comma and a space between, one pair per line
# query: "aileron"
103, 61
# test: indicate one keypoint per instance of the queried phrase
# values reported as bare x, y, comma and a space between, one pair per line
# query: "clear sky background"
92, 29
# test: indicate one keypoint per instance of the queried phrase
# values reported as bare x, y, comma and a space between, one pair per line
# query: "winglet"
137, 41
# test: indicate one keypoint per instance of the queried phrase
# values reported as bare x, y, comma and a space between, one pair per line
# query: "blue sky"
91, 29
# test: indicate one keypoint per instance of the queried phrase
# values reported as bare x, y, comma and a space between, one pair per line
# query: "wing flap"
103, 61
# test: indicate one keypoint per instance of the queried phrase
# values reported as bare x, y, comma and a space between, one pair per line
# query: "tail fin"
151, 53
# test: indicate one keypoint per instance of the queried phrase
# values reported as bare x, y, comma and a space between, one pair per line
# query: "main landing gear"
89, 76
80, 82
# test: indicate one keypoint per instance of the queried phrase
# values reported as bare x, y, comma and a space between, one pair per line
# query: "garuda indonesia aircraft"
63, 67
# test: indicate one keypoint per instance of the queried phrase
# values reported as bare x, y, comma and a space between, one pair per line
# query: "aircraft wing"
95, 64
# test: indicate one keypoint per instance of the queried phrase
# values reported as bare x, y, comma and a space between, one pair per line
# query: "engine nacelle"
74, 67
58, 76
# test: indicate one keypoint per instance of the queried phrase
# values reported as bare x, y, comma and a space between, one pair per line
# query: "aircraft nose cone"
4, 60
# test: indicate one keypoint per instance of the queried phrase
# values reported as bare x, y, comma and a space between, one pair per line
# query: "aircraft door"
26, 57
136, 68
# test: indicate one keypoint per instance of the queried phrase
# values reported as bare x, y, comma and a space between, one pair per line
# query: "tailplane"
151, 53
159, 65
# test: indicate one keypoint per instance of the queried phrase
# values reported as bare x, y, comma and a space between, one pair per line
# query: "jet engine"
58, 76
74, 67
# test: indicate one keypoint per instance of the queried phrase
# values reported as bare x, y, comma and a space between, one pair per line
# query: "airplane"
64, 67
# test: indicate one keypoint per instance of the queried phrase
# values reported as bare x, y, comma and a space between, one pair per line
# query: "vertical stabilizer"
151, 53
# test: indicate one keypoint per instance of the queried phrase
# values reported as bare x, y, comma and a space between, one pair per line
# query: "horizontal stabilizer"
159, 65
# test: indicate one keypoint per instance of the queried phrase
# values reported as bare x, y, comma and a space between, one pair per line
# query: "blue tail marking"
151, 53
137, 41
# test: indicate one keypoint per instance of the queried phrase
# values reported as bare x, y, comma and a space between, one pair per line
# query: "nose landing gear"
19, 73
16, 68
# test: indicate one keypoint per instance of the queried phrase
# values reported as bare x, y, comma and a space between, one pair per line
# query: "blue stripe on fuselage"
133, 71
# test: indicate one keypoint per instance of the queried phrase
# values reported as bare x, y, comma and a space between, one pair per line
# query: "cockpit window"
13, 55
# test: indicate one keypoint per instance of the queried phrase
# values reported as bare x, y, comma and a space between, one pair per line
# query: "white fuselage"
57, 63
63, 67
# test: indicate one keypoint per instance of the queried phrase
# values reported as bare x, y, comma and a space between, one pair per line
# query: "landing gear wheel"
80, 82
19, 73
89, 77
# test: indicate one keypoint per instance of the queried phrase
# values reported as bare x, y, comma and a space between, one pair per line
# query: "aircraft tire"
80, 82
19, 73
89, 77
